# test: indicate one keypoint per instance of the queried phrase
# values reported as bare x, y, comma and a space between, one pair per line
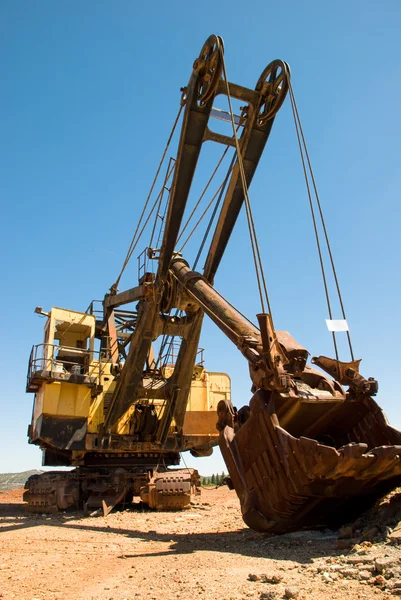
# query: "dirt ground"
205, 552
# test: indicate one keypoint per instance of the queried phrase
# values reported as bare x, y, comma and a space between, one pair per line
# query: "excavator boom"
204, 85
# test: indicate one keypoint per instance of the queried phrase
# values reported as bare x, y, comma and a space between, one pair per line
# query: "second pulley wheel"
273, 84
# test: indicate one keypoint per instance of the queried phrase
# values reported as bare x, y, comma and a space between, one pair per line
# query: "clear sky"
89, 94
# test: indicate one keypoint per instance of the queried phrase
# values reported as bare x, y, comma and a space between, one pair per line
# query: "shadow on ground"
301, 547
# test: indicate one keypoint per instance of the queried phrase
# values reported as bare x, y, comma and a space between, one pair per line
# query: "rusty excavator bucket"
304, 453
309, 462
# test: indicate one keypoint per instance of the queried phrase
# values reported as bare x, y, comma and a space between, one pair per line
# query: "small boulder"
379, 580
349, 573
291, 592
364, 560
336, 568
384, 563
275, 578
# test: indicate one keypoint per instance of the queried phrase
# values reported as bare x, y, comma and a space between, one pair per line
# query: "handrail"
55, 359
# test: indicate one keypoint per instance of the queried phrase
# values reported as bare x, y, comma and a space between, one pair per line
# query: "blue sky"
89, 93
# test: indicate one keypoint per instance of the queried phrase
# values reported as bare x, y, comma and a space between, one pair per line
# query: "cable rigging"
135, 239
276, 82
263, 293
307, 166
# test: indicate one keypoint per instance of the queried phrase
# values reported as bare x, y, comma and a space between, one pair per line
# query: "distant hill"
14, 481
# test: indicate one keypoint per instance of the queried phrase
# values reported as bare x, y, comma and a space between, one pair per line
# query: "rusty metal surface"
106, 488
51, 492
286, 482
347, 373
171, 490
57, 491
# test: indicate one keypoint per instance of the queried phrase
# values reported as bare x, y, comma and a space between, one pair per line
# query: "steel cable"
213, 215
305, 154
170, 170
202, 216
297, 119
251, 224
134, 241
201, 196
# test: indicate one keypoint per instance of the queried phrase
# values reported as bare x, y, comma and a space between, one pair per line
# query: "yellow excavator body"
73, 382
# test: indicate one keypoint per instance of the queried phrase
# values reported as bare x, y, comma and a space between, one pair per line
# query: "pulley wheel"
209, 67
273, 85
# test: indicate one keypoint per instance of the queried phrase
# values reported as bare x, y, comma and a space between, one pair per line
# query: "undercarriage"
103, 489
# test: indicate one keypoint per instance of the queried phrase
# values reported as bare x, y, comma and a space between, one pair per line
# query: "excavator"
121, 390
